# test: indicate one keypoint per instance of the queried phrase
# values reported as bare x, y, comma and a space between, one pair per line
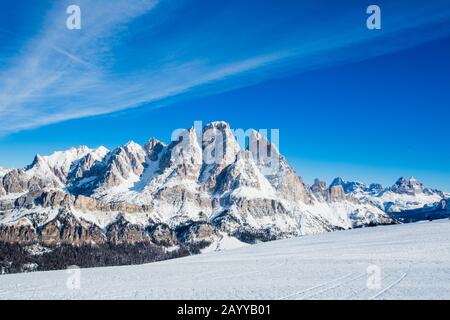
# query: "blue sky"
369, 105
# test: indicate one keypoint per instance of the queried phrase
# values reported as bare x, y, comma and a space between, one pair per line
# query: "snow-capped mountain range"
171, 194
405, 194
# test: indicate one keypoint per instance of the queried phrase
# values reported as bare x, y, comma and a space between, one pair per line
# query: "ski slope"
413, 260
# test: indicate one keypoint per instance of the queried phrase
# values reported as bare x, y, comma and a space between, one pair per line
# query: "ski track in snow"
315, 287
340, 284
392, 284
414, 260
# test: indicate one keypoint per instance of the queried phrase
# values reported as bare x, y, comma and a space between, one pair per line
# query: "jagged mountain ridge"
172, 193
403, 195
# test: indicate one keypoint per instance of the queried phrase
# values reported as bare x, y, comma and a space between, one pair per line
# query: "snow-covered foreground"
414, 261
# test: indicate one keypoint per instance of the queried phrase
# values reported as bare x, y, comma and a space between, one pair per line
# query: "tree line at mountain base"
15, 258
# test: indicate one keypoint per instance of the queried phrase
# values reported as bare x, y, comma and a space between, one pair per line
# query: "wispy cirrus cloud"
58, 64
130, 53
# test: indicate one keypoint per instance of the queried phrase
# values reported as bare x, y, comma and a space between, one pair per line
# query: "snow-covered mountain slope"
201, 178
47, 172
61, 162
389, 262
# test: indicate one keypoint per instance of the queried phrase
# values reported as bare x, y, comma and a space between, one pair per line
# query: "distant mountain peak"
375, 188
410, 186
400, 181
132, 146
152, 142
216, 124
337, 181
348, 186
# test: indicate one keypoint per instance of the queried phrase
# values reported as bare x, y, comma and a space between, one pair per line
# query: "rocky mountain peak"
61, 163
265, 154
152, 143
375, 188
153, 148
319, 185
219, 144
276, 169
349, 186
413, 182
337, 182
319, 189
243, 173
336, 193
404, 186
38, 161
218, 124
220, 149
132, 147
186, 148
401, 181
101, 151
182, 158
124, 162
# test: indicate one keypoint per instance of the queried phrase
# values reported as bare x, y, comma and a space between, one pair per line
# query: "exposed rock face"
336, 193
2, 189
243, 173
250, 199
66, 229
320, 190
243, 217
93, 175
122, 164
85, 203
197, 233
183, 158
220, 150
123, 207
277, 171
55, 199
6, 205
63, 229
154, 148
60, 163
45, 199
123, 231
51, 172
162, 234
200, 187
375, 188
16, 181
348, 186
411, 186
86, 163
19, 233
